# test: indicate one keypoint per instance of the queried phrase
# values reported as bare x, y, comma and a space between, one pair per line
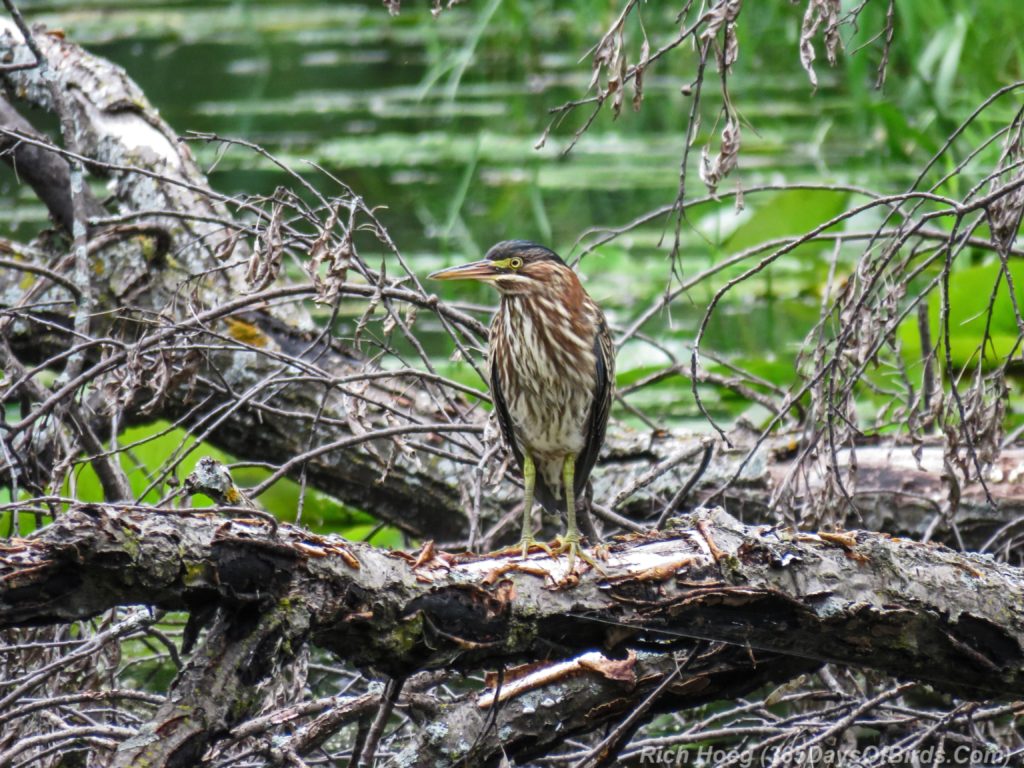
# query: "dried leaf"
265, 260
620, 670
819, 12
426, 554
226, 247
638, 75
329, 261
713, 170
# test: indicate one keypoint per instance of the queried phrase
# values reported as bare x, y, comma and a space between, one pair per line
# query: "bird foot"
570, 543
528, 542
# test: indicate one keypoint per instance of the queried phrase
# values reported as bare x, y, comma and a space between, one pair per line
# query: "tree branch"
45, 171
864, 599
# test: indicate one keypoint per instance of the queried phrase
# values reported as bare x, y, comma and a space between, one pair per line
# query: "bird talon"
571, 544
528, 542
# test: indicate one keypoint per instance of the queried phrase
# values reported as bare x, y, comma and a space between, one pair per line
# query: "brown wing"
604, 384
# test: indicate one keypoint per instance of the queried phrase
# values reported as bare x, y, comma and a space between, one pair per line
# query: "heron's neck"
559, 321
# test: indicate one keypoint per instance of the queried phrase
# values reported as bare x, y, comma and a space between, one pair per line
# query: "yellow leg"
529, 481
571, 541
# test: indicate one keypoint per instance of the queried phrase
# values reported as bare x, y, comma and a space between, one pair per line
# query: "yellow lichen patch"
247, 333
148, 246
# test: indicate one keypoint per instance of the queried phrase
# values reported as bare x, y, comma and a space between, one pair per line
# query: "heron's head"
514, 267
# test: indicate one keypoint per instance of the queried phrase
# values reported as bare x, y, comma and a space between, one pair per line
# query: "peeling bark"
530, 724
244, 650
914, 611
758, 604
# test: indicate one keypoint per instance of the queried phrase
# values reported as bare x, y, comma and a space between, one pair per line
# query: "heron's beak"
476, 270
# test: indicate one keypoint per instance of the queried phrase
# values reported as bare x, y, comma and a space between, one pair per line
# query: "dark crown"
527, 250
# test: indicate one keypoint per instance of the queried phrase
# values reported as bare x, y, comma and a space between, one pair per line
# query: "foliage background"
436, 119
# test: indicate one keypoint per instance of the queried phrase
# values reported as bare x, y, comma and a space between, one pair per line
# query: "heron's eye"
515, 262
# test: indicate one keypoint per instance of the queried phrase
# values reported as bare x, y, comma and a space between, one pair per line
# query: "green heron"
552, 373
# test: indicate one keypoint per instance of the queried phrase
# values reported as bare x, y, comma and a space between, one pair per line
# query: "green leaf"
792, 212
970, 292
